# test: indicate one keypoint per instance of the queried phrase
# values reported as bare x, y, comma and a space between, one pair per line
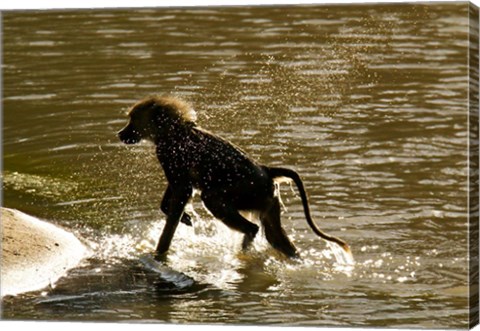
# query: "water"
367, 102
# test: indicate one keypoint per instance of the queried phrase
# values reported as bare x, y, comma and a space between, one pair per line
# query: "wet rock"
35, 253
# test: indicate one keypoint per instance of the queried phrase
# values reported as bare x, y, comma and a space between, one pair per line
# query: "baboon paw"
186, 219
160, 257
292, 254
296, 257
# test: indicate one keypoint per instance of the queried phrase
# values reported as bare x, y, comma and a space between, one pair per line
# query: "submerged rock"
35, 253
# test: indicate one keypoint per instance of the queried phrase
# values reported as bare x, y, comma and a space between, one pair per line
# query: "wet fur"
229, 180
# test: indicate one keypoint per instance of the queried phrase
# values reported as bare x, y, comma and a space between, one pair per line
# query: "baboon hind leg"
229, 215
273, 230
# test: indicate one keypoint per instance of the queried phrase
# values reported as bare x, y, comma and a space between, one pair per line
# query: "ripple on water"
366, 103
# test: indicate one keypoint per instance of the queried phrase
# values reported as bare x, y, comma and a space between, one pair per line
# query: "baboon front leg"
165, 207
229, 215
273, 229
178, 200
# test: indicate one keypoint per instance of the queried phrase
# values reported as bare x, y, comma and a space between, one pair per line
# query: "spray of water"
209, 252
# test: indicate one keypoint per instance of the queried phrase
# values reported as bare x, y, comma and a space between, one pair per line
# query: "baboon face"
153, 118
142, 125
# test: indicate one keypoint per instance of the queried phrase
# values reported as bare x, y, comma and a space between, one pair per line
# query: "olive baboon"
229, 181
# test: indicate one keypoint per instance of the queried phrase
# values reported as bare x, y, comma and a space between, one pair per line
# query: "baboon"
228, 179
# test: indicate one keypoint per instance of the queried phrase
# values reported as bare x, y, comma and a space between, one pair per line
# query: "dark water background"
367, 102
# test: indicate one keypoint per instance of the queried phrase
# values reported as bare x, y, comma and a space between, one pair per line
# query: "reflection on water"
367, 102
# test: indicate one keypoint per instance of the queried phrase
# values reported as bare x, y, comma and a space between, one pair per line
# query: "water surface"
367, 102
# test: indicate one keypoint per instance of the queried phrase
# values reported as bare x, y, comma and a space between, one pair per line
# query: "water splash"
210, 253
277, 182
344, 260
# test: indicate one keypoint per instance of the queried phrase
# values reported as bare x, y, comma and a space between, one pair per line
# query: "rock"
35, 253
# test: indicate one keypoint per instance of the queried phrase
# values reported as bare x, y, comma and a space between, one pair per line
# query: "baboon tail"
283, 172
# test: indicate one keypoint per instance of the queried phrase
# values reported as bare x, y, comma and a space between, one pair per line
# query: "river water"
367, 102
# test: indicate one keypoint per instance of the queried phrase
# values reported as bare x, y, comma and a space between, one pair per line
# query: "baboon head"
154, 117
